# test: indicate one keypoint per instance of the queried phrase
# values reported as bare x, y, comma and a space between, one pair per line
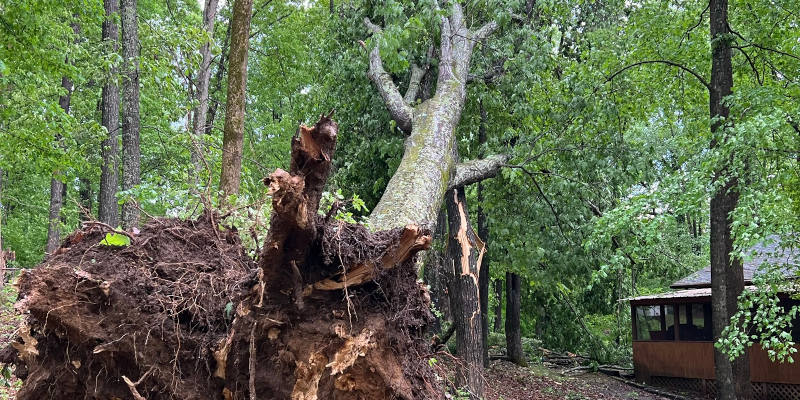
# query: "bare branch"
477, 170
666, 62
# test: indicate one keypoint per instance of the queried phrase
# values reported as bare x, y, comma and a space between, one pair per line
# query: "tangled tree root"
330, 310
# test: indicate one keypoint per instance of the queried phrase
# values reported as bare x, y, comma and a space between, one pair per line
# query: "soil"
507, 381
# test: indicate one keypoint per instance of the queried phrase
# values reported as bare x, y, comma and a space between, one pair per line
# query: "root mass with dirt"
328, 310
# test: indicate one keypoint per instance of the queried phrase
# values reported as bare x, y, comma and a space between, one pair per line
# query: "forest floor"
507, 381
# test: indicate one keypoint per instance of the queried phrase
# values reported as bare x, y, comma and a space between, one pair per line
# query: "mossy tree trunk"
416, 190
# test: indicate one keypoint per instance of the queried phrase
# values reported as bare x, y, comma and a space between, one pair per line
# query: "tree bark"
483, 233
466, 251
498, 308
233, 135
727, 278
86, 199
513, 331
219, 75
2, 252
107, 206
412, 197
434, 272
203, 80
131, 156
57, 187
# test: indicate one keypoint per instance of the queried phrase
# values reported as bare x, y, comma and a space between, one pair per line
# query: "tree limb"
400, 112
666, 62
484, 31
477, 170
414, 83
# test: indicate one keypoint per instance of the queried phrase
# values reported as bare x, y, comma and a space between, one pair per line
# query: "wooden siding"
696, 360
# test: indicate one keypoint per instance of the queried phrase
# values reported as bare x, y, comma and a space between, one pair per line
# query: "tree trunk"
86, 199
57, 187
131, 156
107, 206
203, 80
727, 278
513, 331
498, 307
2, 252
483, 233
219, 76
411, 196
435, 275
233, 135
466, 250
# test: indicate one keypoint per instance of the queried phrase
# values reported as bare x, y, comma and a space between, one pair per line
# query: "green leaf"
116, 240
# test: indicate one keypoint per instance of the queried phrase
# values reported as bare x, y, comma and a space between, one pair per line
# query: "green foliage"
115, 240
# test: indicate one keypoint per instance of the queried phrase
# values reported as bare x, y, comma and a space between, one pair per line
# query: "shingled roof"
770, 251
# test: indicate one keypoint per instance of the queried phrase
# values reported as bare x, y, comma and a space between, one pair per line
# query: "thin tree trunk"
203, 80
498, 307
131, 156
434, 272
86, 199
483, 233
219, 76
465, 251
727, 279
233, 135
513, 331
57, 187
2, 252
107, 206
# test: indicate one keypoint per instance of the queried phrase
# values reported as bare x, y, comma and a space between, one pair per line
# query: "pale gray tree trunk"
107, 206
202, 82
233, 133
416, 190
131, 156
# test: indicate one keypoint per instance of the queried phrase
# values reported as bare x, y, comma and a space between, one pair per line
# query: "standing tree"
107, 208
233, 134
727, 275
57, 187
131, 156
203, 79
513, 332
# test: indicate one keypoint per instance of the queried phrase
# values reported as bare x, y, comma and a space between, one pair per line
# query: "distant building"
673, 341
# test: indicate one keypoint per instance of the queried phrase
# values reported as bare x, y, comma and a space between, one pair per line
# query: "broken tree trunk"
330, 309
465, 250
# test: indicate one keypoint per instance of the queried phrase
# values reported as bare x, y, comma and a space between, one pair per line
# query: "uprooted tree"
328, 309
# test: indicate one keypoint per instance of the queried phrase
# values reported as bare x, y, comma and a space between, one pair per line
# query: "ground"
506, 381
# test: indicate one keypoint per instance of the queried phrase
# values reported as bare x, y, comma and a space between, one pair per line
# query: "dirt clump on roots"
328, 310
